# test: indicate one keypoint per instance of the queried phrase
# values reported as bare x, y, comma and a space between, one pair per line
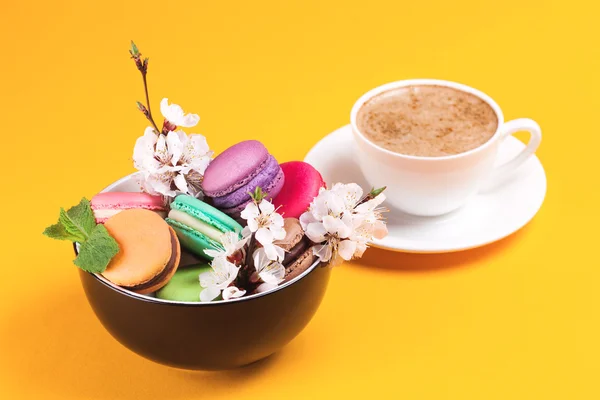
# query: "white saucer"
489, 216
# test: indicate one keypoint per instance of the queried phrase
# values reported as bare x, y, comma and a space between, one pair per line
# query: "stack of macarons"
237, 172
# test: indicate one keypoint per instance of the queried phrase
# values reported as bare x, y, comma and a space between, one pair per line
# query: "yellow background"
518, 319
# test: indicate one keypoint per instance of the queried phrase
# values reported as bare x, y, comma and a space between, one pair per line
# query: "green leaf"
134, 50
75, 225
83, 212
58, 232
375, 192
97, 251
78, 220
78, 224
258, 195
71, 227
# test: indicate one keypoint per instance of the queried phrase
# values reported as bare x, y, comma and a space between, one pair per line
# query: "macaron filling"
171, 264
271, 190
205, 213
242, 182
195, 223
302, 262
264, 179
106, 213
295, 252
298, 252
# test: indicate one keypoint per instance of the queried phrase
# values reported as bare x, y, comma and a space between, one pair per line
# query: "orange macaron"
149, 251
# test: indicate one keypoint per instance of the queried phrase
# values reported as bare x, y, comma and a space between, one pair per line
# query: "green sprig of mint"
78, 224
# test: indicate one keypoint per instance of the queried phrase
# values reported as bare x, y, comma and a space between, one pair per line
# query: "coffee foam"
427, 120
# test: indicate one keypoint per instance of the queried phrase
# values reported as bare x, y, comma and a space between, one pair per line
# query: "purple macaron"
239, 170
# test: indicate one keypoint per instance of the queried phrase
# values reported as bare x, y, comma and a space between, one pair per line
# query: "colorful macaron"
301, 185
238, 171
106, 205
298, 252
149, 251
199, 226
184, 286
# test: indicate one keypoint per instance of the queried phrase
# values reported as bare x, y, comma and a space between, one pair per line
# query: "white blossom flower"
171, 164
335, 201
232, 292
370, 216
231, 243
341, 225
214, 282
265, 287
337, 235
269, 271
371, 205
267, 225
349, 194
175, 115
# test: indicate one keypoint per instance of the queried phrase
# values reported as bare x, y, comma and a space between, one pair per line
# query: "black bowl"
206, 336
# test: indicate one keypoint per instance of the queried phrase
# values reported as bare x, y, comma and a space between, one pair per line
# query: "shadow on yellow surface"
62, 352
423, 263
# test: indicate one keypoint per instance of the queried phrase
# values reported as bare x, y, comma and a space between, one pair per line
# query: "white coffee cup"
430, 186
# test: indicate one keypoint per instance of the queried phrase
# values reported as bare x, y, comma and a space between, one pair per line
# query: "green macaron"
184, 285
198, 225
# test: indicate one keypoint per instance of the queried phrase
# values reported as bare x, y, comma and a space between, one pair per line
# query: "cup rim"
155, 300
425, 82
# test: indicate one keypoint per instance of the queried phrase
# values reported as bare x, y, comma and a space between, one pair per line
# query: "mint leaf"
97, 251
58, 232
83, 216
78, 224
71, 227
75, 225
83, 212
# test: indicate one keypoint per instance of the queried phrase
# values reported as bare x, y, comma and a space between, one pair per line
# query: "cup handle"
510, 128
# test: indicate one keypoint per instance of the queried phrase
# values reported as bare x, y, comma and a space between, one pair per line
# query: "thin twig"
148, 104
142, 66
251, 248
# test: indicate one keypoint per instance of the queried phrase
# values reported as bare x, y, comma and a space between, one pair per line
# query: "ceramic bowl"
205, 336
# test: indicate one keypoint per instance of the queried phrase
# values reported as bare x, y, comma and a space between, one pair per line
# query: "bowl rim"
155, 300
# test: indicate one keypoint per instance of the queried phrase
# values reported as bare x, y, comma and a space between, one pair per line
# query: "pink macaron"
301, 185
105, 205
